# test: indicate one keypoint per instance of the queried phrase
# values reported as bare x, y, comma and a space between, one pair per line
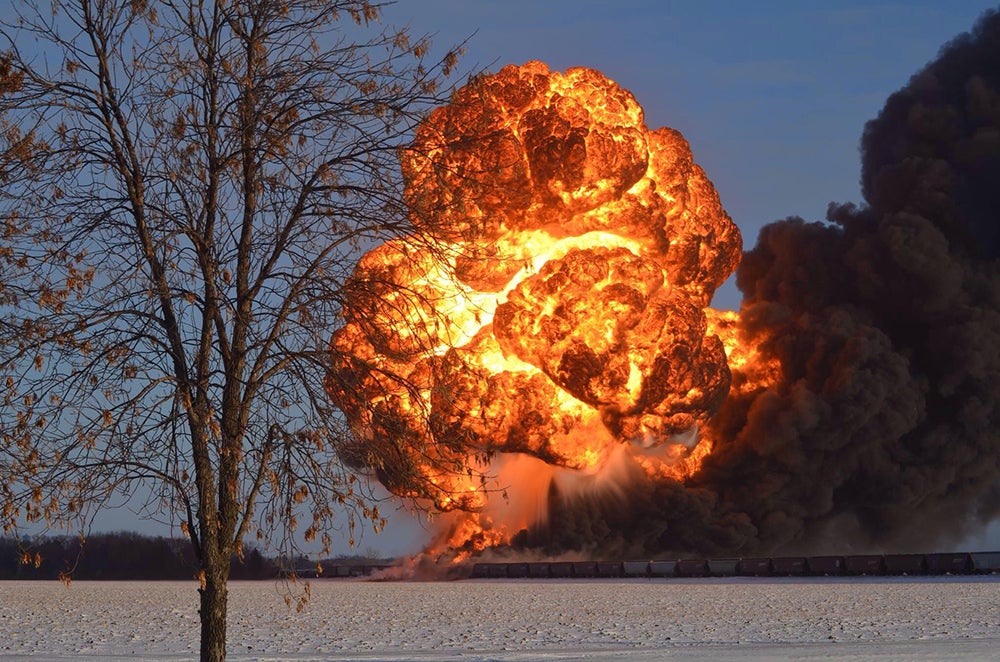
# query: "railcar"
539, 570
636, 568
754, 567
825, 565
956, 563
692, 568
789, 566
609, 569
584, 568
561, 569
864, 564
987, 563
905, 564
663, 568
722, 567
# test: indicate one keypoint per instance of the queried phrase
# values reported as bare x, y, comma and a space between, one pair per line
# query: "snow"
921, 618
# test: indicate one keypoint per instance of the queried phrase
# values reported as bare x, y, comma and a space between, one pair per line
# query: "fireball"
560, 312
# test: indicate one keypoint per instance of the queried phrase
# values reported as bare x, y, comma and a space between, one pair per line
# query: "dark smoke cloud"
883, 433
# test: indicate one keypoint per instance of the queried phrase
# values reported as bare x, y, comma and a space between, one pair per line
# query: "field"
509, 620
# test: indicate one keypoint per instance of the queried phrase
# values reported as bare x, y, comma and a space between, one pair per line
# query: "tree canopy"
184, 187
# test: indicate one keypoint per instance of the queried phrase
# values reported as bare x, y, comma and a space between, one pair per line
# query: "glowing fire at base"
563, 327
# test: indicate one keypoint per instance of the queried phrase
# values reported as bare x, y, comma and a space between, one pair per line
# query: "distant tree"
184, 186
122, 555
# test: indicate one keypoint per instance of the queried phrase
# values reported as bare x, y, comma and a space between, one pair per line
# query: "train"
876, 565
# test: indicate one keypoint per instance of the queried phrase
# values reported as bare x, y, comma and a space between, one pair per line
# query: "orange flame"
563, 315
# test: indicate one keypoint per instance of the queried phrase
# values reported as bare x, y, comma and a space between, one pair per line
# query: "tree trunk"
214, 599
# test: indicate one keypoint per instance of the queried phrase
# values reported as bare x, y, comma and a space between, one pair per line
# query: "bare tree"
184, 188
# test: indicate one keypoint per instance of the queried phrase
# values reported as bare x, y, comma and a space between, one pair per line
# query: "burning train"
547, 370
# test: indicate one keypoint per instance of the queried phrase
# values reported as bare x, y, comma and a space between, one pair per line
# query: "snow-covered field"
510, 620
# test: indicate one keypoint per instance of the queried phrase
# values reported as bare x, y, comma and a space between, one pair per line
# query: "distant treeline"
127, 556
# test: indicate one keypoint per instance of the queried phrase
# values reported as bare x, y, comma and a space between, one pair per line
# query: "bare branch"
185, 188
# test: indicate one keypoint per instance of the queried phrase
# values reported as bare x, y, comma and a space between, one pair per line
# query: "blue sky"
771, 95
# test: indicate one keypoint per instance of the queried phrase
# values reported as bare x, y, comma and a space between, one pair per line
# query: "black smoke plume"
883, 432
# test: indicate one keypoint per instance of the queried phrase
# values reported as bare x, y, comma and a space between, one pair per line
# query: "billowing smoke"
856, 406
883, 431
